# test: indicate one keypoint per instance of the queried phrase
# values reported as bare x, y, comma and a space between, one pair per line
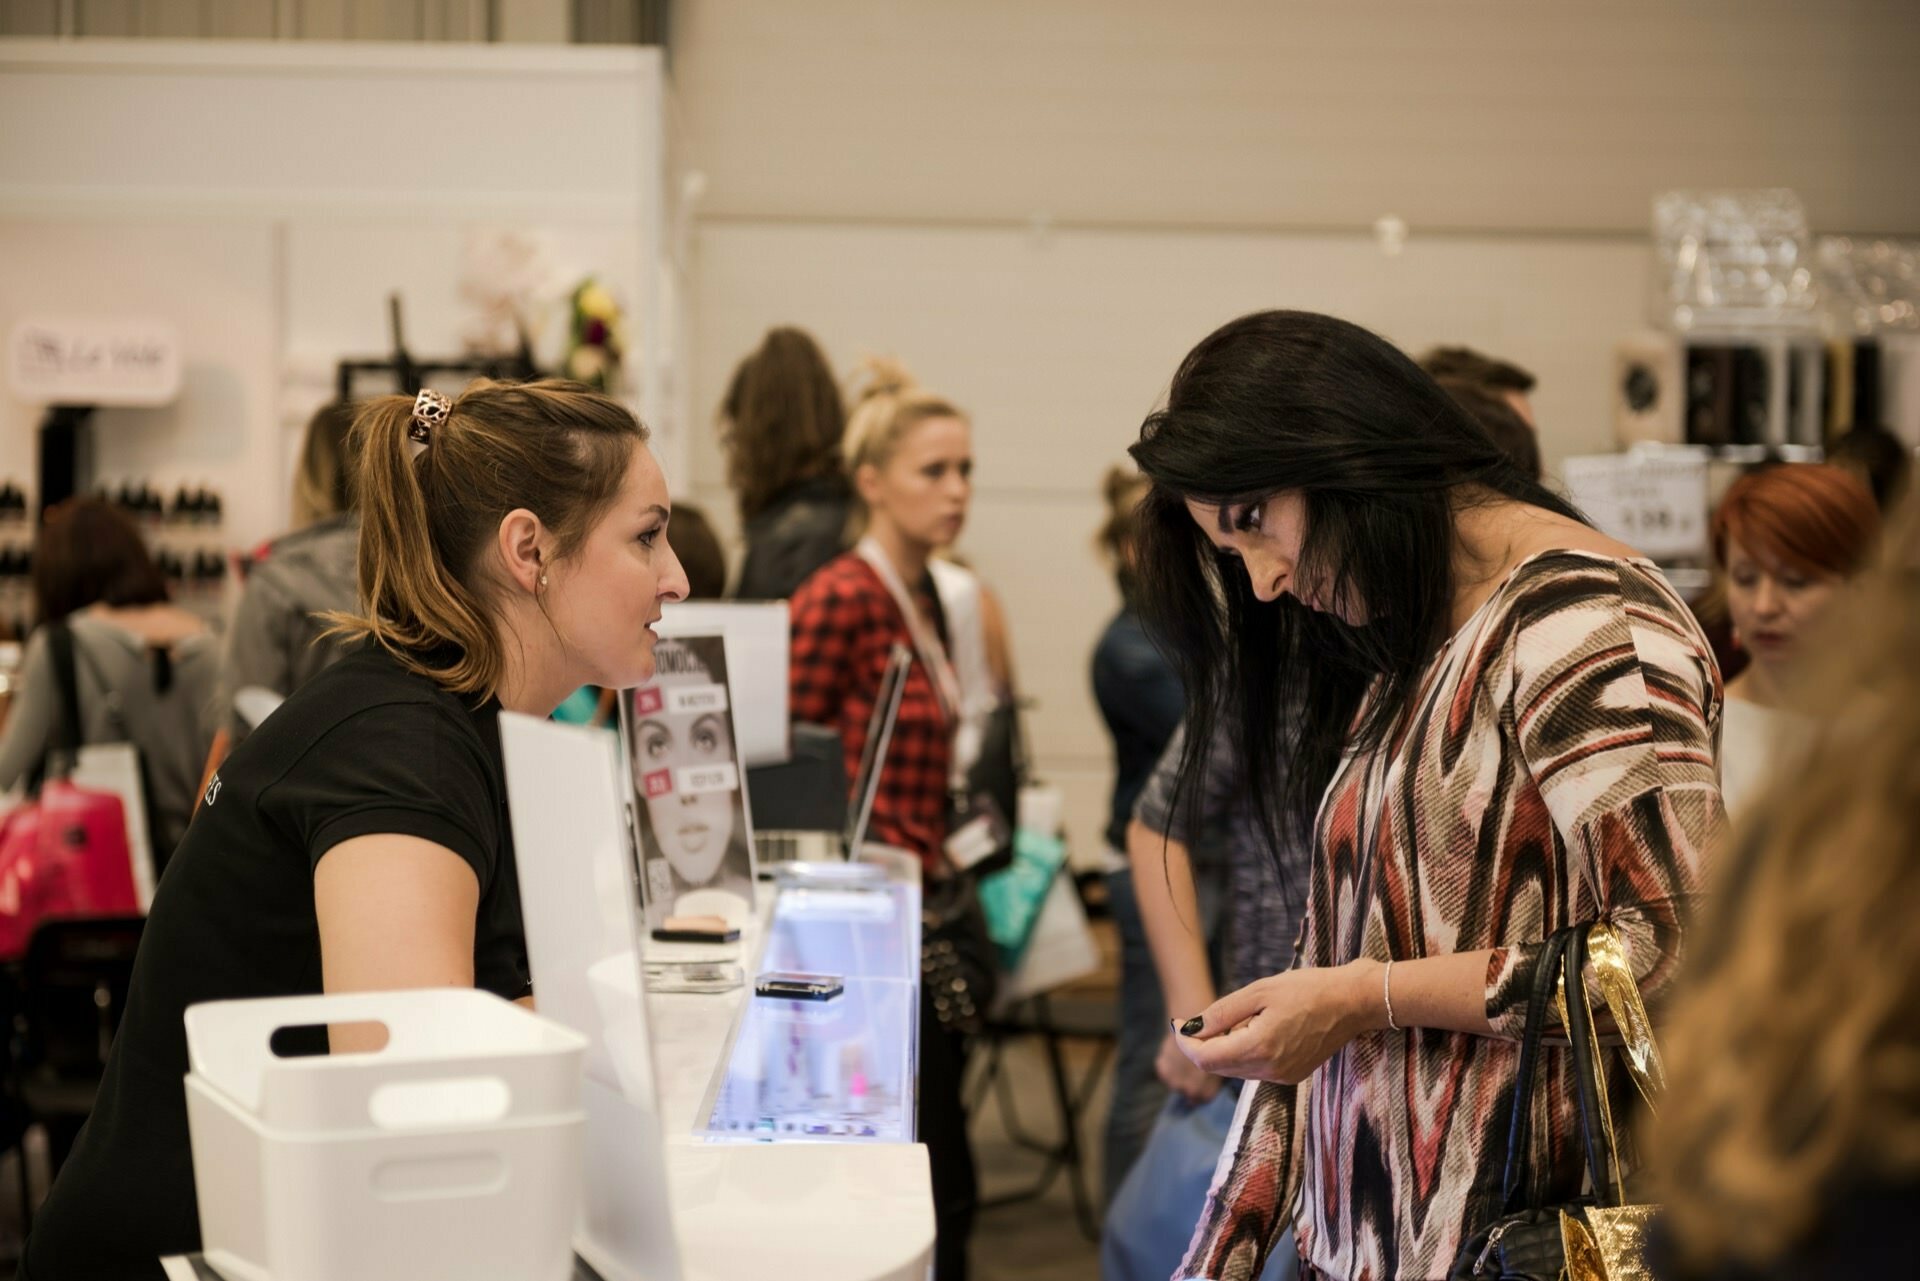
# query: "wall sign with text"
74, 361
1656, 501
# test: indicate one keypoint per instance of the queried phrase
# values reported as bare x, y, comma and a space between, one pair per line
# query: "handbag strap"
1520, 1119
64, 748
1568, 952
1622, 993
1596, 1115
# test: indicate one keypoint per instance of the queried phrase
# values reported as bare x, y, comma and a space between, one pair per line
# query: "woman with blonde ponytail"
276, 640
513, 547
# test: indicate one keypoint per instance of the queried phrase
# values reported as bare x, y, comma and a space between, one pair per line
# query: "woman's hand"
1178, 1073
1283, 1027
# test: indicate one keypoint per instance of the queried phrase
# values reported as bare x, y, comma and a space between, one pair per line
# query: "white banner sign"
94, 362
1655, 502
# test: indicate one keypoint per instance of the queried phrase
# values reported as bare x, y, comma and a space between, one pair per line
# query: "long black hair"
1291, 401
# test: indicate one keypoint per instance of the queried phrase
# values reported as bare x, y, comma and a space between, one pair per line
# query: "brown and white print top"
1557, 767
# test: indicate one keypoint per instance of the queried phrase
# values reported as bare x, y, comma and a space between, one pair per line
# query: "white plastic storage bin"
454, 1152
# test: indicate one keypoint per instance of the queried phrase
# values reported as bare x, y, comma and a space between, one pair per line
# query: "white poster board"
758, 654
1654, 500
691, 817
580, 906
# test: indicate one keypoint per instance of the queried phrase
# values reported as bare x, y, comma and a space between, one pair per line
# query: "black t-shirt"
366, 747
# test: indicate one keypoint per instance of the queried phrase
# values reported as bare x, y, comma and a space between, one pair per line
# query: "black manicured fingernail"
1192, 1026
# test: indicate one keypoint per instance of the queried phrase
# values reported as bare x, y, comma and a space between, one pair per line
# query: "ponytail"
1123, 488
429, 511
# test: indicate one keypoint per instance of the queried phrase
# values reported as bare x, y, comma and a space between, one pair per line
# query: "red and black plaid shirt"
845, 624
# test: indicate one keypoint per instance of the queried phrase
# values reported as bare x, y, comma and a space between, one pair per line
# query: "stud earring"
543, 580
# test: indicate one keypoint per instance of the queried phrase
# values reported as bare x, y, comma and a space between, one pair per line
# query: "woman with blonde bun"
513, 548
909, 453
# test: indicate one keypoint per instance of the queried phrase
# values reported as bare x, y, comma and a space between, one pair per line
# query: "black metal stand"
66, 453
408, 374
1036, 1017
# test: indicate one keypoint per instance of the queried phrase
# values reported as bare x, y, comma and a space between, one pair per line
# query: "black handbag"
958, 974
959, 964
1597, 1237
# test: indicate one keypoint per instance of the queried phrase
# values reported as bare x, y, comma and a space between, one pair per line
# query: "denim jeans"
1138, 1094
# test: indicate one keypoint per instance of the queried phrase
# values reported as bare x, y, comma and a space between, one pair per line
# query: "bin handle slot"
316, 1040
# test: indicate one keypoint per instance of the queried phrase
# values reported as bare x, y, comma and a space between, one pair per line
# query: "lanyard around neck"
933, 654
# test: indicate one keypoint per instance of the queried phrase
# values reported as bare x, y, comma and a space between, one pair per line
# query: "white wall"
216, 282
1468, 114
1042, 206
267, 197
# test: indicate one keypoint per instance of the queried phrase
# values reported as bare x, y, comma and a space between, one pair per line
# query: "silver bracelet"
1386, 992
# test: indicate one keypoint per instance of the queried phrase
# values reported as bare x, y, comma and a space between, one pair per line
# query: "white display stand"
577, 902
660, 1203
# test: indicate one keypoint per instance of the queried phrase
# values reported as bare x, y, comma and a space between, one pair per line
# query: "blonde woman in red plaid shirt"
909, 455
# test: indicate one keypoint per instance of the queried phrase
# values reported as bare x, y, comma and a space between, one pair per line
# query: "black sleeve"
404, 768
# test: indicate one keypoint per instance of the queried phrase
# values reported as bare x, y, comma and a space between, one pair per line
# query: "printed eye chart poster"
692, 831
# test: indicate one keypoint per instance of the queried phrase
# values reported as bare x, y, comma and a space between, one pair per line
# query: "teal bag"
1012, 897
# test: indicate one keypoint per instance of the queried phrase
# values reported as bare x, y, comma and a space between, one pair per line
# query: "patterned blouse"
1558, 766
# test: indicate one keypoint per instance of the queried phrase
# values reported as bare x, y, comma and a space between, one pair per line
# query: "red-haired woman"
1787, 539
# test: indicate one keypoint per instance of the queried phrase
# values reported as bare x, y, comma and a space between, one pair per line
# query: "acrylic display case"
843, 1069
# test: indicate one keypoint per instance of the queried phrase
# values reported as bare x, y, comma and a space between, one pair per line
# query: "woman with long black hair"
1499, 722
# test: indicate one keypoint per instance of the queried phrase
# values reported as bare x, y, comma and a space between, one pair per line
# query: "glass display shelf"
840, 1070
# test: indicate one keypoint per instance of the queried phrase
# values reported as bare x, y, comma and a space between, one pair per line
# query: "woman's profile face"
1267, 537
683, 765
927, 483
604, 599
1772, 604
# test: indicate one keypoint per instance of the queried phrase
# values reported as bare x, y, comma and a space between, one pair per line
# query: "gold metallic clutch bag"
1607, 1244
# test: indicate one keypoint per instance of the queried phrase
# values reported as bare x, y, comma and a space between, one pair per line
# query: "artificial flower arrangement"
596, 338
